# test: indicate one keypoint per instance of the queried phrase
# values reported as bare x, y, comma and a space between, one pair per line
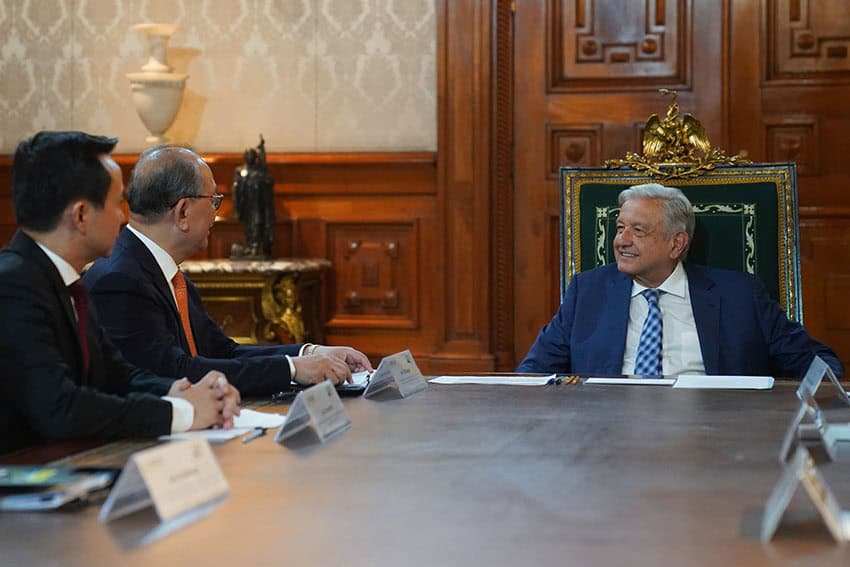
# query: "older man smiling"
651, 313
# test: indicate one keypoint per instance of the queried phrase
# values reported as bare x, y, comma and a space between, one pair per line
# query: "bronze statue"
253, 196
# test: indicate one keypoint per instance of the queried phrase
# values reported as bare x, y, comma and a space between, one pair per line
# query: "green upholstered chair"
746, 219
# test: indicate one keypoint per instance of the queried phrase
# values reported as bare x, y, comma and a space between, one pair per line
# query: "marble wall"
310, 75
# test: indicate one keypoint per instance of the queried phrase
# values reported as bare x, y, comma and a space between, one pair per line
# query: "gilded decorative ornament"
675, 148
281, 307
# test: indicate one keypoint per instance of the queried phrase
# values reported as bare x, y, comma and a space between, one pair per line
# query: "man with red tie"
62, 377
155, 315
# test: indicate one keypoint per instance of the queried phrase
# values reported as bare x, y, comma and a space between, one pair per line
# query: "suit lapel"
136, 249
706, 307
28, 249
617, 319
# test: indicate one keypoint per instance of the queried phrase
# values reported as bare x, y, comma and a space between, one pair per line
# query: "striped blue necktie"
648, 361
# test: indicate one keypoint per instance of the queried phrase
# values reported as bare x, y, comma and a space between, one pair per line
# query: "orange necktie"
183, 308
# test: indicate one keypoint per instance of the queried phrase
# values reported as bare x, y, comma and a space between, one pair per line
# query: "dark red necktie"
81, 305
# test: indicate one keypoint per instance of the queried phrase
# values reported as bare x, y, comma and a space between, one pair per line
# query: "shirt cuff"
182, 414
291, 367
306, 348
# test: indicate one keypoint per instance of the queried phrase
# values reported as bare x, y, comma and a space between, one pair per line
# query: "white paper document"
633, 381
253, 419
214, 436
361, 377
247, 420
494, 380
724, 382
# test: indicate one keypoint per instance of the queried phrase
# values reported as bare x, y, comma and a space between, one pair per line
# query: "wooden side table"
264, 302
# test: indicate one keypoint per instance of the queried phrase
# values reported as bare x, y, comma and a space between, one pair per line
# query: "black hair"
53, 169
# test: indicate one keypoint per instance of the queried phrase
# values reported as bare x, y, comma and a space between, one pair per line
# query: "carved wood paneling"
808, 40
793, 139
836, 290
618, 45
314, 174
574, 145
553, 257
377, 275
464, 176
502, 228
825, 264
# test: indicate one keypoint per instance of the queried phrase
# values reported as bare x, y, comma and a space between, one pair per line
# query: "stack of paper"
725, 382
494, 380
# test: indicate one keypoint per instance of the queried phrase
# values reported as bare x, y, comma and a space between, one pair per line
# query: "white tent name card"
792, 434
318, 406
801, 469
813, 377
829, 434
176, 478
397, 370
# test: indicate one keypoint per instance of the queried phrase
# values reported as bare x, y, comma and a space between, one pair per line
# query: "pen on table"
258, 432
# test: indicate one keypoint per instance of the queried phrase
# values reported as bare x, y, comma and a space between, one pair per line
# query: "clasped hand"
216, 402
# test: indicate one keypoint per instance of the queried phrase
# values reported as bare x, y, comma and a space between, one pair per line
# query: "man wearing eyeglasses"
62, 377
155, 315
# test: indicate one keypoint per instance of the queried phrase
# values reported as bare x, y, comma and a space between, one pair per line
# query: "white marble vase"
157, 91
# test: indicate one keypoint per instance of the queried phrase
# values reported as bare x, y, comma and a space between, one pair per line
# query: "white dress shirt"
182, 412
680, 350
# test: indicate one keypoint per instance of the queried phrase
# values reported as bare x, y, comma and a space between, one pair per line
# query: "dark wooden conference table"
484, 475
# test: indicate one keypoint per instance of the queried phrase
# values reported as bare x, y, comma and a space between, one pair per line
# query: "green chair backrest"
746, 220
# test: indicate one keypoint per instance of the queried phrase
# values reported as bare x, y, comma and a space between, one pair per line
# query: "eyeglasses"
216, 199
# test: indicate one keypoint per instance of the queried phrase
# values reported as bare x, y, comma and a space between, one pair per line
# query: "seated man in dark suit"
62, 377
652, 314
155, 315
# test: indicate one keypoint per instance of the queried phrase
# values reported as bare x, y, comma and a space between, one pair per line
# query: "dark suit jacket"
139, 313
45, 393
741, 330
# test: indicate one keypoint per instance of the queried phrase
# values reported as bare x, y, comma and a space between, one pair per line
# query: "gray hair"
678, 211
162, 176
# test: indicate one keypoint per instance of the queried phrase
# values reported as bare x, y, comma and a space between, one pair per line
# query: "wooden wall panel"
574, 145
377, 275
825, 262
464, 145
599, 45
793, 138
808, 40
502, 226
